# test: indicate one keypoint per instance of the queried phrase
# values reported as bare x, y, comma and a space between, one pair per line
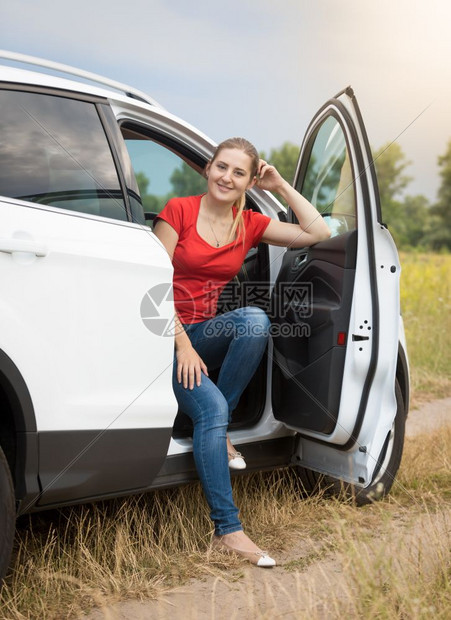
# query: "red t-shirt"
201, 271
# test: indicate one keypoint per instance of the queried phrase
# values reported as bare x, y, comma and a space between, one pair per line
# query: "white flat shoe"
265, 561
236, 460
258, 558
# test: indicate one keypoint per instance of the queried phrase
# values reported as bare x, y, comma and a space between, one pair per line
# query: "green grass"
426, 310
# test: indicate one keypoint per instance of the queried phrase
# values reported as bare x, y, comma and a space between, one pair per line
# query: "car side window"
328, 180
160, 173
54, 151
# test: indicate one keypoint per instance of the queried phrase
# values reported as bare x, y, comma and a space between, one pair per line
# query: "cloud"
258, 67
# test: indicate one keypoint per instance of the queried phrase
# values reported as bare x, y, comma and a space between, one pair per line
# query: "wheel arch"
402, 375
18, 431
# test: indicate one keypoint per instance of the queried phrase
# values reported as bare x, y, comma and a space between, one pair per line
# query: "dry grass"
399, 572
71, 560
404, 569
75, 559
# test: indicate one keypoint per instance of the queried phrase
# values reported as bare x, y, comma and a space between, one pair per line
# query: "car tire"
384, 475
7, 514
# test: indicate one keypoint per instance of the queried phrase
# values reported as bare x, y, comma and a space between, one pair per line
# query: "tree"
143, 183
151, 203
284, 159
187, 182
414, 224
440, 235
408, 218
390, 162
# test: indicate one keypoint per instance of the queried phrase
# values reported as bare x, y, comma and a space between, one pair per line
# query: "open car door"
337, 308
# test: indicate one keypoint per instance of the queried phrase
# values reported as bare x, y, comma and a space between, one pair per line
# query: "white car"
86, 348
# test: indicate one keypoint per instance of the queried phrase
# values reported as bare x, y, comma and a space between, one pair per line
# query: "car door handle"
9, 246
299, 261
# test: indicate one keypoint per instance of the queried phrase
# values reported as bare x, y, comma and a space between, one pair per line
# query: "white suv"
87, 408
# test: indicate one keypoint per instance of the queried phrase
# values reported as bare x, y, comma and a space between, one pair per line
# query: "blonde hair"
247, 147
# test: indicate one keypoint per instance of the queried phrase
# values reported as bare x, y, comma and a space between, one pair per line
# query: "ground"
281, 593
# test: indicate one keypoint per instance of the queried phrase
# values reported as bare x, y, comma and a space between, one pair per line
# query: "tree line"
414, 222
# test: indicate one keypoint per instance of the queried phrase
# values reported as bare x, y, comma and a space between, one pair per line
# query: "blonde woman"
207, 238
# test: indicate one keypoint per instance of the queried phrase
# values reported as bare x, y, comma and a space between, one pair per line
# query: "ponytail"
238, 227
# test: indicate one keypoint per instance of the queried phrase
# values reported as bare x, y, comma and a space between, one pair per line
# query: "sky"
262, 68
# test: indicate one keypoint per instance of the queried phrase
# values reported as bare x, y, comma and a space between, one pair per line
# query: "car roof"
115, 92
85, 81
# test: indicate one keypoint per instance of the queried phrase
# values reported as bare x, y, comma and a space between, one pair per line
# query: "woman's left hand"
268, 177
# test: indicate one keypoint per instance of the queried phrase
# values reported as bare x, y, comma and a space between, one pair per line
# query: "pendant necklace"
211, 226
214, 234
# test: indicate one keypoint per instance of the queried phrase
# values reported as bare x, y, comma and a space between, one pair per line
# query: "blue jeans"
235, 343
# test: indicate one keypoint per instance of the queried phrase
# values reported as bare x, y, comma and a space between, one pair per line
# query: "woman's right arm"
189, 364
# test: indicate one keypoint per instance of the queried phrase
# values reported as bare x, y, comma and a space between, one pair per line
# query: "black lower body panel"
260, 455
77, 466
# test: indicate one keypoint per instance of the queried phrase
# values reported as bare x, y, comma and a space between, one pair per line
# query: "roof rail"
93, 77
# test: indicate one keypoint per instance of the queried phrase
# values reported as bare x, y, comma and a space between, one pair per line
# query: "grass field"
74, 559
70, 560
426, 310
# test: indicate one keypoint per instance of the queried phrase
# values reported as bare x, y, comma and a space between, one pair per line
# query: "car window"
328, 181
54, 151
160, 173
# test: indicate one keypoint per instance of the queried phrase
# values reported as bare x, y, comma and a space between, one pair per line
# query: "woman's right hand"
190, 366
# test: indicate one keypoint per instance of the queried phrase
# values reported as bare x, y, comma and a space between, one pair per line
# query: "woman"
207, 238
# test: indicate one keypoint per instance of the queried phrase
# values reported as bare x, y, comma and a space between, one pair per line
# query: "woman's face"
229, 175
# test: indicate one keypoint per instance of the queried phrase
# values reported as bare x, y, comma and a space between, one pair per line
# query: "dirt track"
277, 593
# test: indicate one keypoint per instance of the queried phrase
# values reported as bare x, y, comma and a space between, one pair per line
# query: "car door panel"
306, 364
75, 314
331, 384
76, 271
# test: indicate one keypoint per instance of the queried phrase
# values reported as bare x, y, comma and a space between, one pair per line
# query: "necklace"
212, 229
214, 234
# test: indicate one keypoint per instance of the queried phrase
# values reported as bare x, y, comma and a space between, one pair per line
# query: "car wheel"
7, 514
384, 474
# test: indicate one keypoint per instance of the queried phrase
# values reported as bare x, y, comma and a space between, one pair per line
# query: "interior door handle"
9, 246
299, 261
